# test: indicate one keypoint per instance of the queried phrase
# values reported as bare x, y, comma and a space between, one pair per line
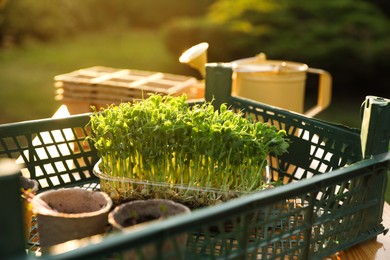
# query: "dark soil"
133, 221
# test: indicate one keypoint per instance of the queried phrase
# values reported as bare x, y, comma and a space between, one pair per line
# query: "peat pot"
72, 213
136, 214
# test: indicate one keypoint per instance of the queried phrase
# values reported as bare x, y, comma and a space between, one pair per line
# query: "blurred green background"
42, 39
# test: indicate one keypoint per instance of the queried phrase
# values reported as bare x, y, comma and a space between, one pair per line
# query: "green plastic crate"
334, 198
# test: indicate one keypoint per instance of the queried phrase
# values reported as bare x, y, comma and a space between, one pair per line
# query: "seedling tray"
101, 86
333, 199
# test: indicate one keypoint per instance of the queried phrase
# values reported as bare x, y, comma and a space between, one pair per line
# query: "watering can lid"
260, 63
256, 68
271, 66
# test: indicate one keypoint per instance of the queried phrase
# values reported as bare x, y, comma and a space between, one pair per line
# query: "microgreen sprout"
162, 139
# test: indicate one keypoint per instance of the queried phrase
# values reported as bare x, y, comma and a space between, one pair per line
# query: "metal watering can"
275, 82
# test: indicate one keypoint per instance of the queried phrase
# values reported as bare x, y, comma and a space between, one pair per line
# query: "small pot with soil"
132, 214
68, 214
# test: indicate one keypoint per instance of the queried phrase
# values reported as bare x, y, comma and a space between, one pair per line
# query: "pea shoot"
163, 140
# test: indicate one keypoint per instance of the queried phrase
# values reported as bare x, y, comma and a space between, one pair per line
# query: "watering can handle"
324, 91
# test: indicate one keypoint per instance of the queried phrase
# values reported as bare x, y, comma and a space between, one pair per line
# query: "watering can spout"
196, 57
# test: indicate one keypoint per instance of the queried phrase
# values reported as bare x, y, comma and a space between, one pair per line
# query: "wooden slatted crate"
101, 86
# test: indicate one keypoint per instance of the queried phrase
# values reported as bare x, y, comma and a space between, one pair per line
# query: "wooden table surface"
375, 249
